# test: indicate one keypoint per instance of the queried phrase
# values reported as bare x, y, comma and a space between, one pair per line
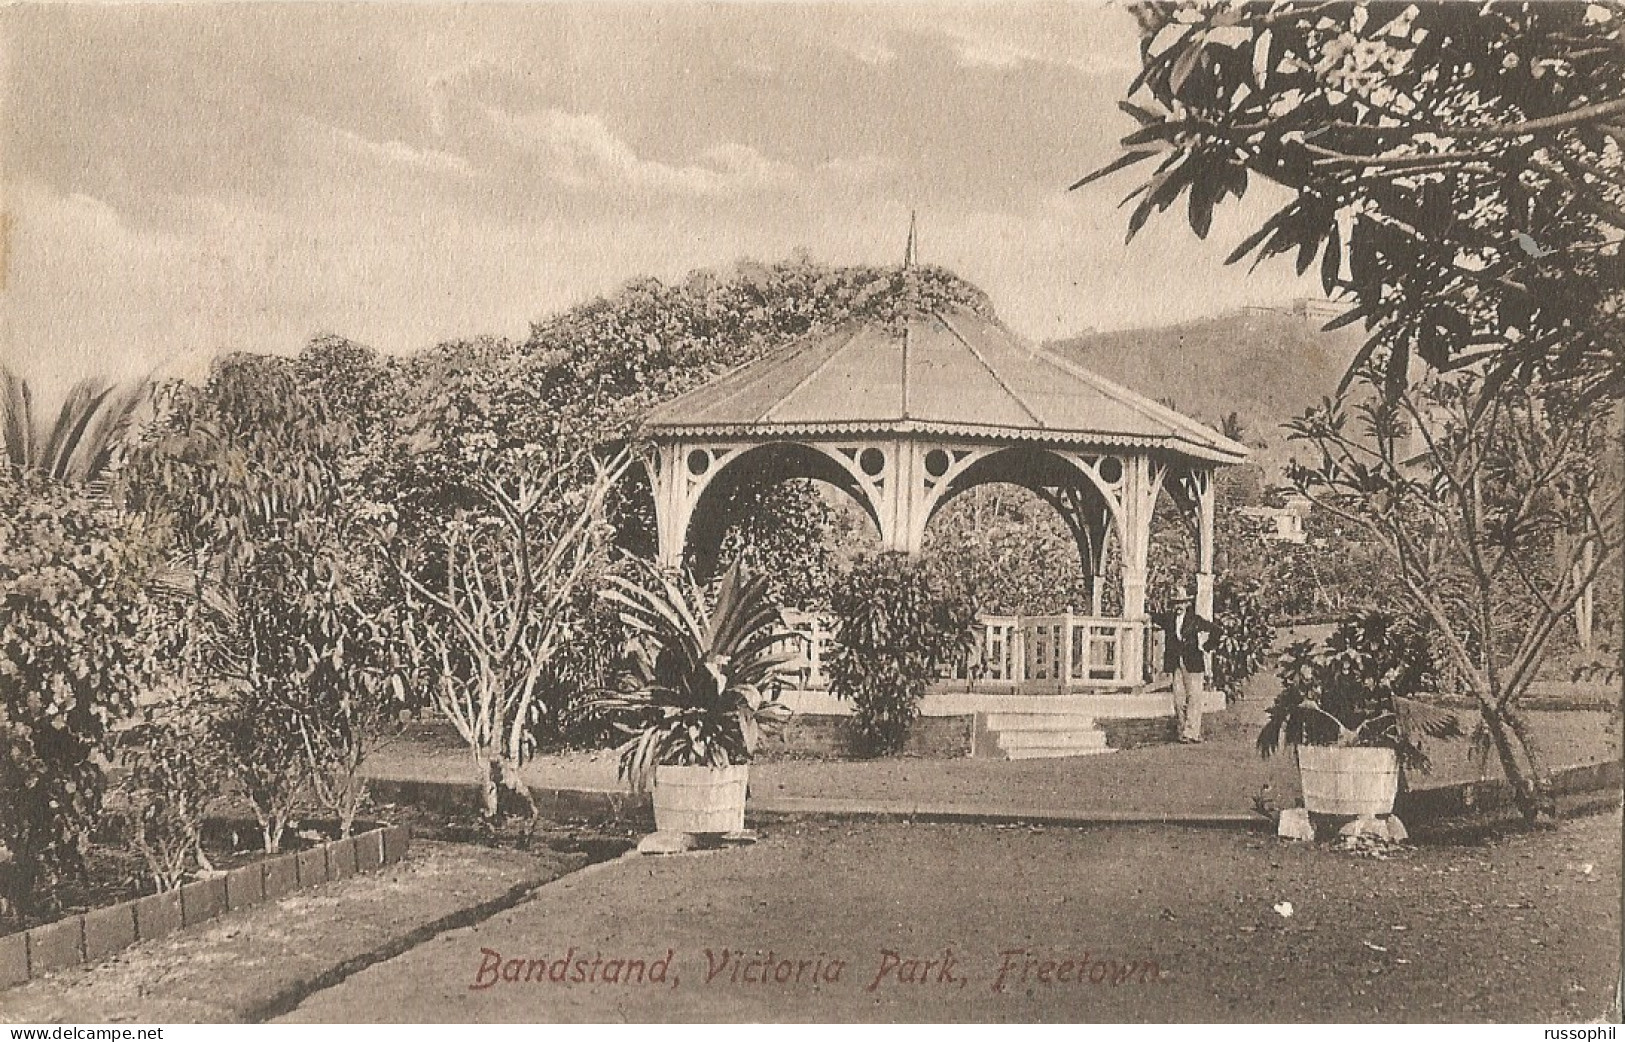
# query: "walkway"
1140, 923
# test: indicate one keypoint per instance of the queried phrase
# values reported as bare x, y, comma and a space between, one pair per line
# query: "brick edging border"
89, 936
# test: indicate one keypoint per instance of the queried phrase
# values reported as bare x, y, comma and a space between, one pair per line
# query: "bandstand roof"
949, 372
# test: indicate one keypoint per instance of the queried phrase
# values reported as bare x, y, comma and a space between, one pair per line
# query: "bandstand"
904, 415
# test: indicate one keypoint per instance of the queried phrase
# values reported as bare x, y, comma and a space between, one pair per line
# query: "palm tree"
78, 447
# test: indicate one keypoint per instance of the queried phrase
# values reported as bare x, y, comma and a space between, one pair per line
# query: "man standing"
1185, 656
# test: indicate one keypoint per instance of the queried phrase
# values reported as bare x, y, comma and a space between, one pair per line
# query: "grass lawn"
1220, 776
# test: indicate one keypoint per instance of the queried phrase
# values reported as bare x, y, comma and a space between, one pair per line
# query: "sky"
181, 180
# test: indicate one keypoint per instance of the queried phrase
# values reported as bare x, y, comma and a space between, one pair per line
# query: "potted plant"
698, 690
1345, 706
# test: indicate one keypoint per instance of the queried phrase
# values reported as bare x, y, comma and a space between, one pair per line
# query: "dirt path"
1160, 924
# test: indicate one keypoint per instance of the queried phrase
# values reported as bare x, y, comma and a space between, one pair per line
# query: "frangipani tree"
1457, 169
1458, 172
1497, 512
489, 606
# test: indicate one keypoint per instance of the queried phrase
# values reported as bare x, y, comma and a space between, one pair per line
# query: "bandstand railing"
1019, 654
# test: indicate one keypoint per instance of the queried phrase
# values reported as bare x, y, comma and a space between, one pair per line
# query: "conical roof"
951, 371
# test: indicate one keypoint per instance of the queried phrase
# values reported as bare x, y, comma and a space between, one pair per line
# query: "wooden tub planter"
1348, 780
700, 800
696, 694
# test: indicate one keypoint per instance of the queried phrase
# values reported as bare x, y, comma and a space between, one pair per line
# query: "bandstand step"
1033, 735
1051, 739
1040, 752
1040, 722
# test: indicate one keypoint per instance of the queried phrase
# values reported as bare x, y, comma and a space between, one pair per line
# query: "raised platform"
1133, 705
1023, 727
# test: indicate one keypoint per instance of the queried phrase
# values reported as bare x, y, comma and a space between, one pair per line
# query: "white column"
1212, 699
668, 480
1203, 481
906, 491
1066, 653
1139, 501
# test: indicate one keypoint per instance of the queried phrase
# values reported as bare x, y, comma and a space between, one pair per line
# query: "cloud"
394, 153
581, 152
1096, 39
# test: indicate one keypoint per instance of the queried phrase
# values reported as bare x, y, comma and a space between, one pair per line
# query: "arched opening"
1173, 558
1028, 530
776, 505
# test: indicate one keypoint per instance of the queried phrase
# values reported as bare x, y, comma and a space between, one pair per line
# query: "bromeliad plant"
1348, 691
700, 687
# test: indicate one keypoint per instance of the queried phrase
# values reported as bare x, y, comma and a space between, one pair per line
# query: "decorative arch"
764, 465
1078, 495
688, 475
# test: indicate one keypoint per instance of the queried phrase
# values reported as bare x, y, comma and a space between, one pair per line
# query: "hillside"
1266, 366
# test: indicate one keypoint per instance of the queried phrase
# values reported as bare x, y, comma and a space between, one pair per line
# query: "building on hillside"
1286, 523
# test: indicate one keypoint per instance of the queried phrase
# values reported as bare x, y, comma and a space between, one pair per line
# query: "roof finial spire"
909, 250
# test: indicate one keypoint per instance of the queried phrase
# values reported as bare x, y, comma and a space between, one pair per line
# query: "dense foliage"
614, 358
896, 620
79, 640
1337, 570
1011, 550
784, 534
1244, 633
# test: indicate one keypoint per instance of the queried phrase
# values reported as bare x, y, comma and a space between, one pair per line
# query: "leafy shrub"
1356, 688
262, 756
175, 776
1245, 632
897, 618
346, 693
77, 642
280, 649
